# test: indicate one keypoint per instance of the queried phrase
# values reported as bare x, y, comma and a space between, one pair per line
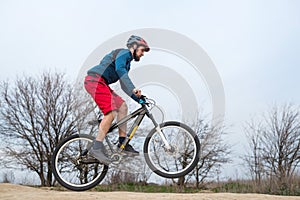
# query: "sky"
254, 44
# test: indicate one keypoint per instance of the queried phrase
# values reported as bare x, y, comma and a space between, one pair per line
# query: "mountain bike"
171, 150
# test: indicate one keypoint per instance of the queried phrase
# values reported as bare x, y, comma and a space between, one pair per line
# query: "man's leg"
98, 150
105, 125
122, 112
103, 96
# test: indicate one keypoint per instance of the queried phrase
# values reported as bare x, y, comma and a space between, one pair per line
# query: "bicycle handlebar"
143, 100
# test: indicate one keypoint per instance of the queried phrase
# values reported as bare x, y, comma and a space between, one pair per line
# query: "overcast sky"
254, 44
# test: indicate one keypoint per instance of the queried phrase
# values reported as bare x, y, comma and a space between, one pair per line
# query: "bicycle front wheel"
181, 158
73, 168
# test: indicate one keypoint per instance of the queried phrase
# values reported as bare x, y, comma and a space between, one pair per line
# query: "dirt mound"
10, 191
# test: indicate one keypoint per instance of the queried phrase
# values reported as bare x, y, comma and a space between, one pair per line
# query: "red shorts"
106, 99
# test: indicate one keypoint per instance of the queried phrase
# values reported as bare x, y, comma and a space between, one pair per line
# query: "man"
113, 67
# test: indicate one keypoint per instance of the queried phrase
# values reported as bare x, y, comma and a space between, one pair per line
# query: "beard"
135, 57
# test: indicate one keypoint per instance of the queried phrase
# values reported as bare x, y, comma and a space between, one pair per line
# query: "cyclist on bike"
113, 67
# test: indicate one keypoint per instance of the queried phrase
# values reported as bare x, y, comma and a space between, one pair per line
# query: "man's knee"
109, 116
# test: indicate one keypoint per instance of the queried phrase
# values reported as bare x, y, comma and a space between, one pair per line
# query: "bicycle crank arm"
89, 161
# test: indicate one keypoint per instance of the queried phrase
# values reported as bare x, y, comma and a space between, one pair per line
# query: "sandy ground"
9, 191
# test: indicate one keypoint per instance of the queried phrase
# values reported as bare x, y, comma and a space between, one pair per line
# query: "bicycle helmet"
138, 41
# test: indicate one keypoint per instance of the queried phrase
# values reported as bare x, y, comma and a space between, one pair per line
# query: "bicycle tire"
56, 173
160, 172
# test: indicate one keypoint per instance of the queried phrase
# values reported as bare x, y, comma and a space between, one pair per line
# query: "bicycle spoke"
182, 152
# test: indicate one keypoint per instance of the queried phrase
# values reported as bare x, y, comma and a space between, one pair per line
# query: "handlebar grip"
142, 99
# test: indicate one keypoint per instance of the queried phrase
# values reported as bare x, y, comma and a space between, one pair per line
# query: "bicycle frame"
140, 114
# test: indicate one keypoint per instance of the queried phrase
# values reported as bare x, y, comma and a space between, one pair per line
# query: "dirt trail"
9, 191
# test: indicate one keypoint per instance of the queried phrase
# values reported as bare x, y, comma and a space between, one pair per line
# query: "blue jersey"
115, 66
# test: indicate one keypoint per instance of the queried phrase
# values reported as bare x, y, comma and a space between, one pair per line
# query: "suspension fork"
158, 129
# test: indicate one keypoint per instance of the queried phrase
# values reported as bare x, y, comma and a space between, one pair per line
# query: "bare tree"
213, 153
35, 114
253, 158
278, 145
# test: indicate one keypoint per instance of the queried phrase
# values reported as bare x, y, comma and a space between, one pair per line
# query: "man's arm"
126, 83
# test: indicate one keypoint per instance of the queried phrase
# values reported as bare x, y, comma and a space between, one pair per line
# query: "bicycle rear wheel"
73, 168
181, 158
